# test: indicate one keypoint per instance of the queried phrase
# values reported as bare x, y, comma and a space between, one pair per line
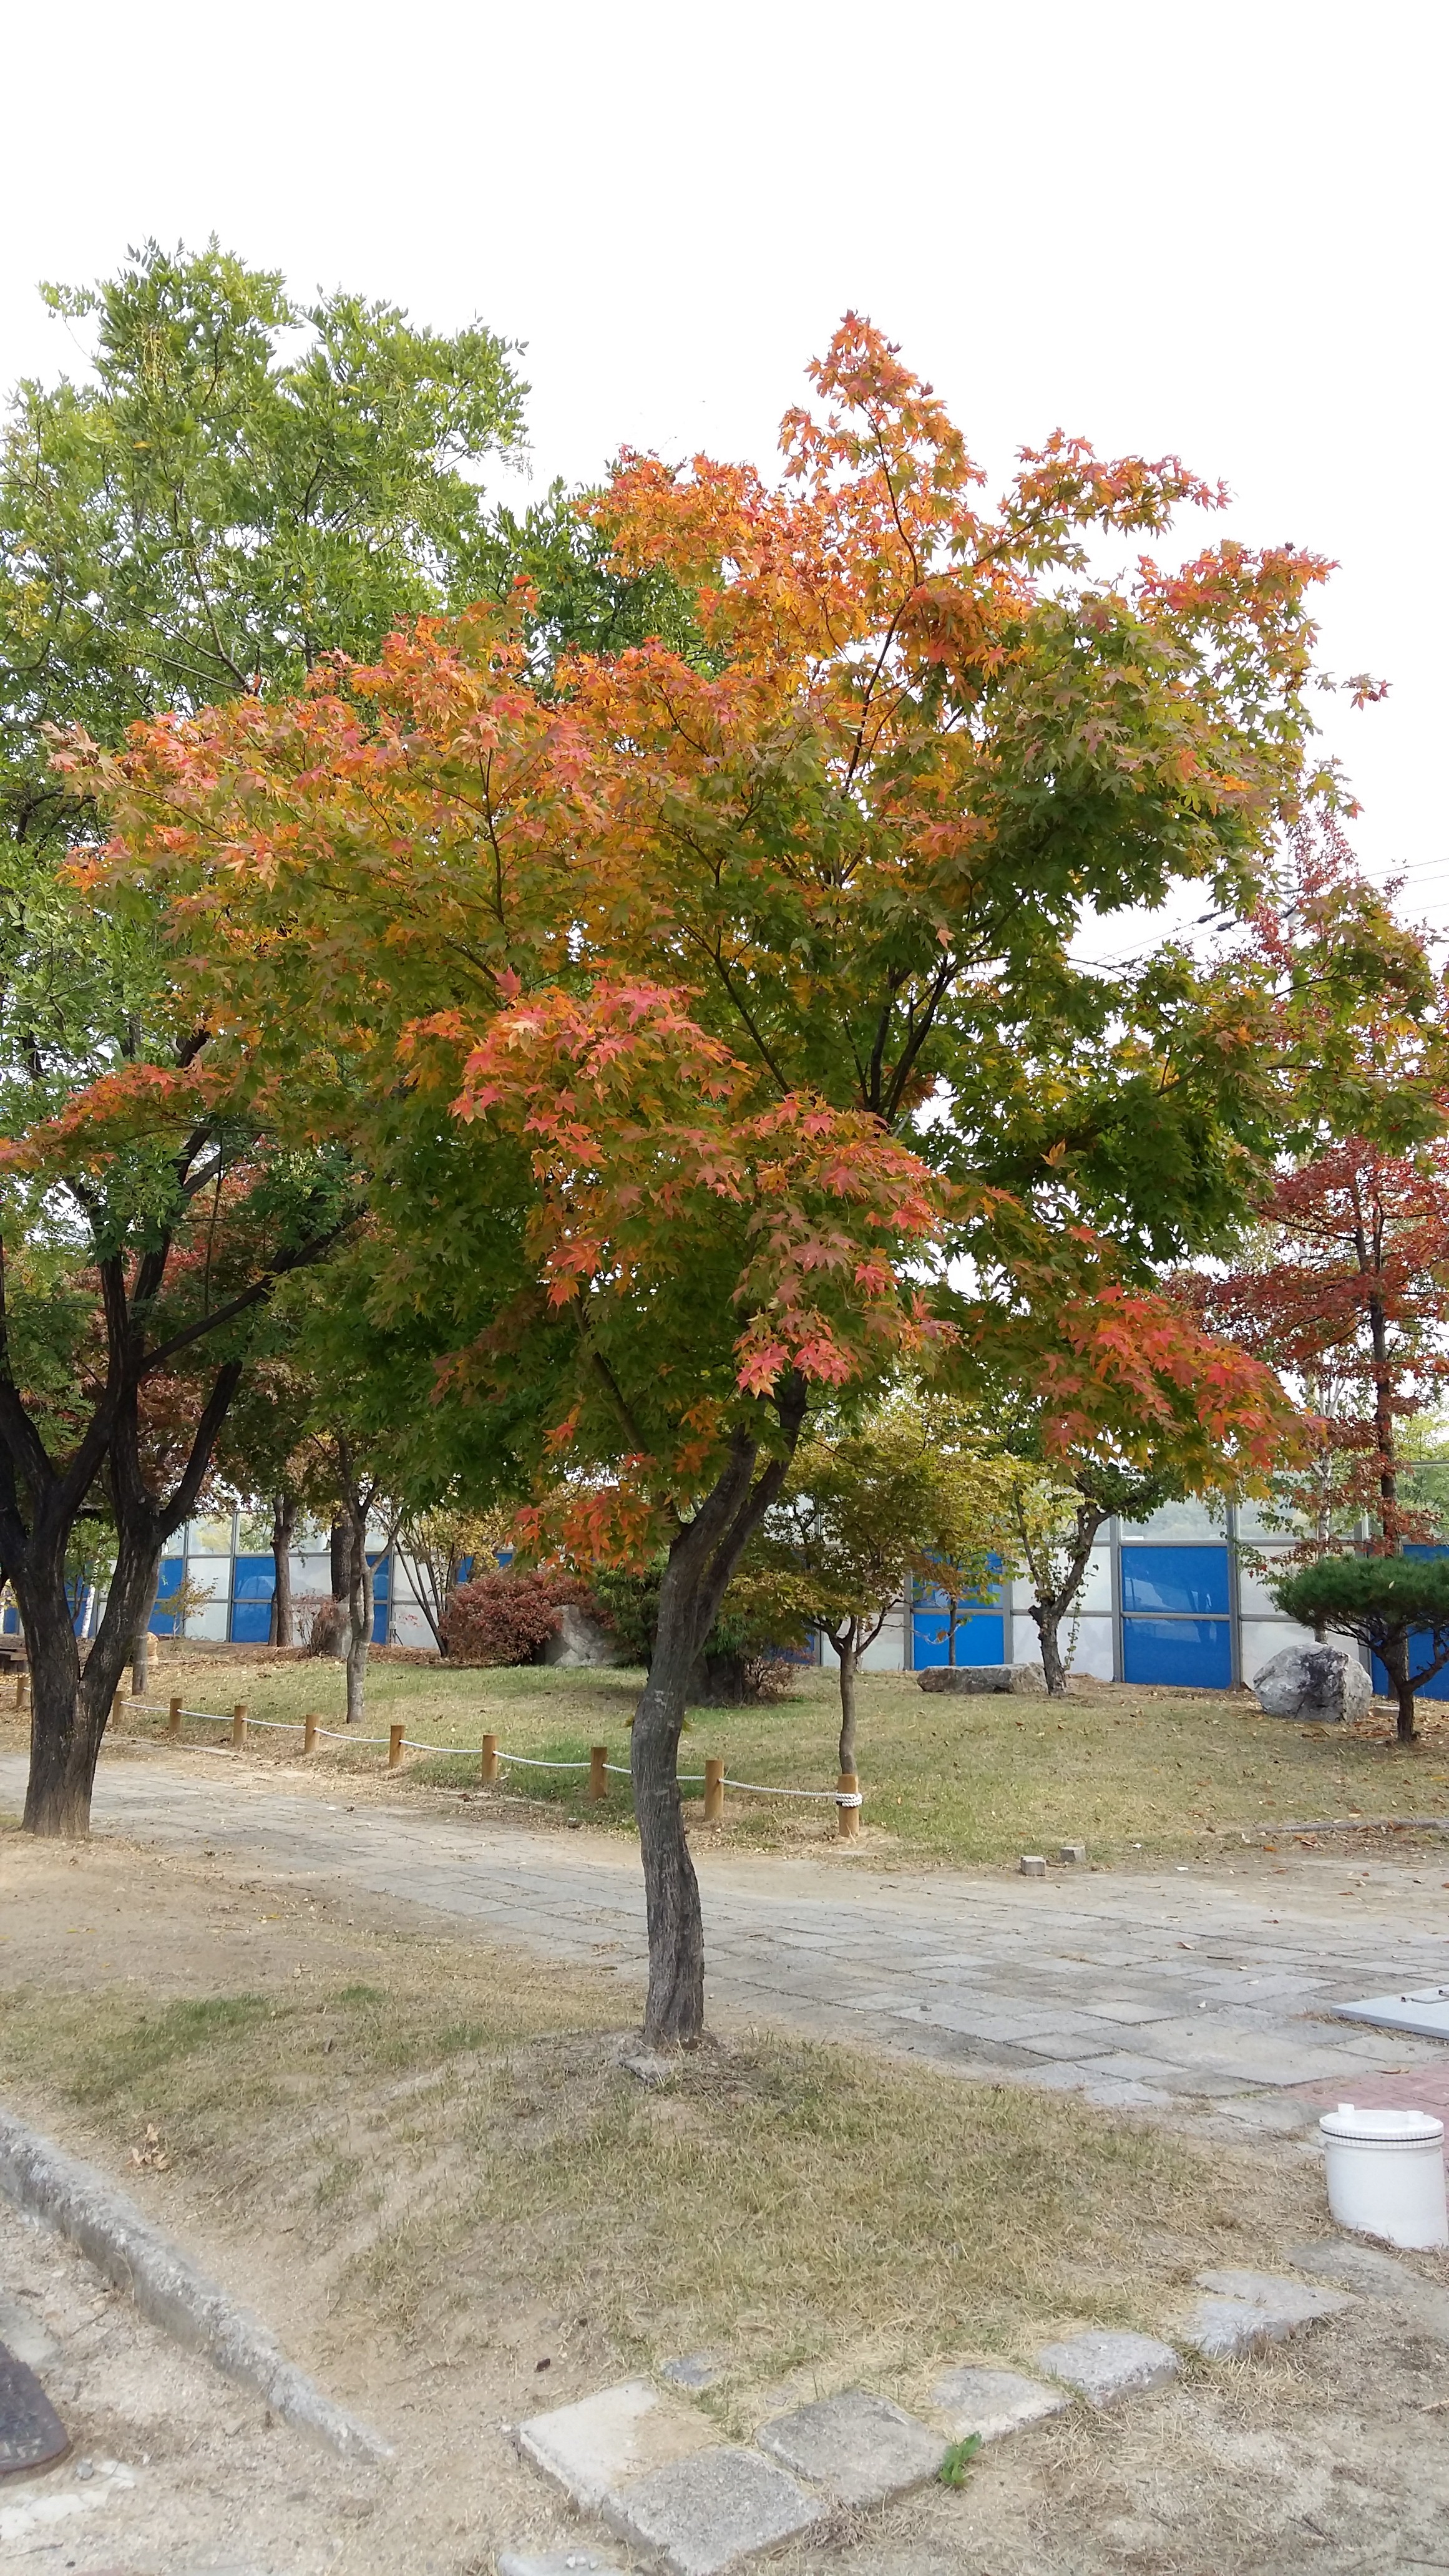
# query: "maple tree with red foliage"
695, 1015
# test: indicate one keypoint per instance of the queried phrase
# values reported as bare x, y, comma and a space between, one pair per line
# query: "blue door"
1175, 1623
253, 1581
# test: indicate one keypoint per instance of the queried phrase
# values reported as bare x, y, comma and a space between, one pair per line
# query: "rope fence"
846, 1797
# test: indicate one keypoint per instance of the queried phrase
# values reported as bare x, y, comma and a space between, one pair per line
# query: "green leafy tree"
864, 1511
1386, 1602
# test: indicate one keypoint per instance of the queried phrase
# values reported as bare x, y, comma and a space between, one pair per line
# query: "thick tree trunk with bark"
284, 1522
340, 1550
70, 1703
702, 1556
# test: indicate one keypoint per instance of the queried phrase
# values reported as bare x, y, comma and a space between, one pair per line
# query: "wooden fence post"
489, 1764
598, 1777
173, 1718
714, 1779
309, 1733
239, 1725
395, 1736
849, 1817
20, 1690
117, 1702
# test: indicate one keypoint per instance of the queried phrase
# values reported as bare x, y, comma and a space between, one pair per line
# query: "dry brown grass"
451, 2136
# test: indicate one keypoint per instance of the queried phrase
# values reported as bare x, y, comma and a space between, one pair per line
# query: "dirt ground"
421, 2162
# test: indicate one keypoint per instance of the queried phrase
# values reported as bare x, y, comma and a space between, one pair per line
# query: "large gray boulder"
579, 1642
1320, 1682
971, 1681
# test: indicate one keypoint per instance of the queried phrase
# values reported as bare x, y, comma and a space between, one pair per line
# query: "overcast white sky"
1217, 228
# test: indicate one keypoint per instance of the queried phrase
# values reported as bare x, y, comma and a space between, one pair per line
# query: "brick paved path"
1128, 1988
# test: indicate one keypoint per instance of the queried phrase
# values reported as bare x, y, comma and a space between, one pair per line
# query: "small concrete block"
702, 2516
692, 2370
557, 2562
860, 2449
601, 2442
1032, 1865
1285, 2305
1224, 2329
1105, 2367
991, 2403
1072, 1851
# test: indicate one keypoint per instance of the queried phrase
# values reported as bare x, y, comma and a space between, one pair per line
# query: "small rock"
580, 1642
991, 2403
971, 1681
85, 2468
1032, 1865
1319, 1682
1225, 2329
1105, 2367
861, 2449
692, 2370
649, 2068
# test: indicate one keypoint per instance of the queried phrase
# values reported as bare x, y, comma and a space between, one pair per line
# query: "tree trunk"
1047, 1616
70, 1706
674, 2011
284, 1522
847, 1649
141, 1649
359, 1627
341, 1552
1395, 1654
702, 1556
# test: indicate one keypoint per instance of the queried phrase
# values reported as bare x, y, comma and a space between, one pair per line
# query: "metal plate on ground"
32, 2435
1424, 2010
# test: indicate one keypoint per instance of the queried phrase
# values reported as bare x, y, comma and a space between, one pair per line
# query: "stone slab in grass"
1107, 2367
973, 1681
1225, 2329
702, 2516
1285, 2305
602, 2442
992, 2403
859, 2449
556, 2562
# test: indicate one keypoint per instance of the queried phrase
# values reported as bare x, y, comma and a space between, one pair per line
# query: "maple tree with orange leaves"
695, 1014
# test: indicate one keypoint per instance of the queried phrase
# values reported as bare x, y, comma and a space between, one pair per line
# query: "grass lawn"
1126, 1770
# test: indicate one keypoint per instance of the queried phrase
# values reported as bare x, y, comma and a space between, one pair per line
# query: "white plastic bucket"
1386, 2174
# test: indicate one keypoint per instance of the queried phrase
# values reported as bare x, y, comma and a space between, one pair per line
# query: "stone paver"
1207, 1988
556, 2562
602, 2442
993, 2403
703, 2515
1288, 2304
1105, 2368
858, 2448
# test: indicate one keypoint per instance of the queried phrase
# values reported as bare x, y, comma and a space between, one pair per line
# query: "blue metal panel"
1197, 1653
253, 1578
251, 1623
10, 1624
980, 1637
1191, 1579
173, 1569
1420, 1650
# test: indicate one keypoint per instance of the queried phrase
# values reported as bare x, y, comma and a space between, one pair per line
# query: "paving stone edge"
112, 2233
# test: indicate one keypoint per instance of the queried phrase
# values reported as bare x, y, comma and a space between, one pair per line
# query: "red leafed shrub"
504, 1617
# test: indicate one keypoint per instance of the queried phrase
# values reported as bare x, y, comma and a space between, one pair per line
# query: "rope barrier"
521, 1761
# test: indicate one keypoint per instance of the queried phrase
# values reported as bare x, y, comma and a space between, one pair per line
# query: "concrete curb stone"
859, 2449
167, 2287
